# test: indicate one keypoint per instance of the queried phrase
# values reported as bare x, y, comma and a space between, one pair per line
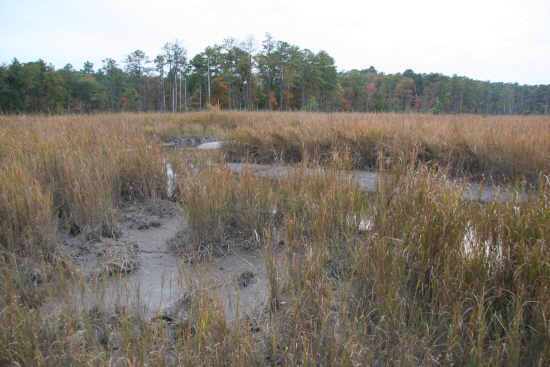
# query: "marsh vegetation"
411, 274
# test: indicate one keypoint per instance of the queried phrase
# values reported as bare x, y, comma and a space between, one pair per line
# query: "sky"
496, 40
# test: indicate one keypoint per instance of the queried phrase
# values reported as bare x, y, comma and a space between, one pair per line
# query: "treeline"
246, 76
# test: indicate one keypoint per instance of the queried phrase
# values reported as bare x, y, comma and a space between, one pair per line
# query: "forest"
242, 75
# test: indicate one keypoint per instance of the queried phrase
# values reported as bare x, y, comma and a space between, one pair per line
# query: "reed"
498, 148
434, 273
221, 206
424, 285
85, 167
26, 212
413, 274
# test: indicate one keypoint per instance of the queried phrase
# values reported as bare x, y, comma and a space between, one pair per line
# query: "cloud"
485, 39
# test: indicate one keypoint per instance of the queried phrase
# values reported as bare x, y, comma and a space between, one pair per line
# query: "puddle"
487, 251
210, 145
365, 224
171, 183
199, 143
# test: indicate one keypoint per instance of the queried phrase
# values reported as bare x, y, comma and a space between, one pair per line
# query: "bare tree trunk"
163, 95
180, 92
185, 93
68, 91
250, 101
303, 93
281, 92
269, 95
111, 91
176, 92
208, 79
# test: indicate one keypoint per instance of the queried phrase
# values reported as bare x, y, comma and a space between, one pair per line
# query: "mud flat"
153, 280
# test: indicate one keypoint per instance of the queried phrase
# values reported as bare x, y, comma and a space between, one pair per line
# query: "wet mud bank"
140, 271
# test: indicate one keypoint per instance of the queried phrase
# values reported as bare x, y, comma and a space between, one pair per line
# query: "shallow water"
210, 145
368, 181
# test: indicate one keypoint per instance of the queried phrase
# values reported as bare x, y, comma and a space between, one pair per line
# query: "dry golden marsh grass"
502, 148
413, 274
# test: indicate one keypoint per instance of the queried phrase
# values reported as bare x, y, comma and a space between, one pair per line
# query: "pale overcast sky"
497, 40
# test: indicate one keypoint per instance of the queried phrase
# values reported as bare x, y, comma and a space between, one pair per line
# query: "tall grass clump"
320, 210
450, 281
309, 203
321, 203
205, 336
220, 205
501, 149
141, 172
26, 212
435, 279
87, 165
